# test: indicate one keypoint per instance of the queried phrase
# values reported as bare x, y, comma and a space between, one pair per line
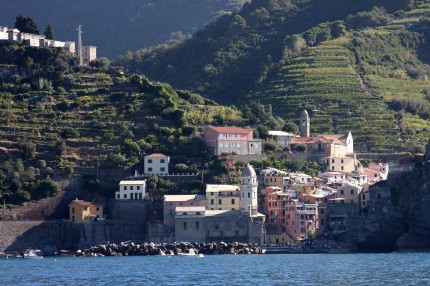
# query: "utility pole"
80, 55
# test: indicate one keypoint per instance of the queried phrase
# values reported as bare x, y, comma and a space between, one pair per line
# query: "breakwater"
149, 249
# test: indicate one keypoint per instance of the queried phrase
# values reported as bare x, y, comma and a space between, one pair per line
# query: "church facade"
199, 224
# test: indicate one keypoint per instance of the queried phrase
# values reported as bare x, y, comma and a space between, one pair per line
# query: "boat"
33, 254
191, 252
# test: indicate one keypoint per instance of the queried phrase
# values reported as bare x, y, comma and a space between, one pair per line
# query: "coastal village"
270, 207
264, 205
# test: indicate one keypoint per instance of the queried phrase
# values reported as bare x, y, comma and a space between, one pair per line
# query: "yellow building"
340, 164
223, 197
80, 210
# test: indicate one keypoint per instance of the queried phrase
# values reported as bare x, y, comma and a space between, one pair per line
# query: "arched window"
198, 213
184, 213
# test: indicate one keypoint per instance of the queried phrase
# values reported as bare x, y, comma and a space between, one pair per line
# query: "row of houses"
89, 53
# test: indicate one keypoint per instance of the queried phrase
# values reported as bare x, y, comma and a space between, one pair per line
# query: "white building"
248, 190
3, 33
156, 164
131, 190
282, 138
89, 53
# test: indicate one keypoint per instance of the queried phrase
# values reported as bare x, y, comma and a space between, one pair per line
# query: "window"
288, 216
184, 213
341, 160
342, 201
221, 233
237, 232
321, 211
149, 161
85, 208
131, 188
185, 225
197, 225
332, 160
232, 201
170, 212
212, 201
352, 192
162, 160
73, 210
221, 144
125, 188
332, 168
125, 196
249, 195
138, 188
237, 144
198, 213
220, 201
162, 169
207, 232
149, 169
341, 168
352, 201
97, 209
118, 196
322, 221
341, 192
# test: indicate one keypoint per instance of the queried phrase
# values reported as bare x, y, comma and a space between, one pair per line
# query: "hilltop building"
33, 40
156, 164
89, 53
232, 140
222, 197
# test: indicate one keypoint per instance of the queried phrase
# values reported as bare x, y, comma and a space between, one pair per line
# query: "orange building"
80, 210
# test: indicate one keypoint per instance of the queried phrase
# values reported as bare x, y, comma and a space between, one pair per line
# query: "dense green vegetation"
116, 27
60, 121
361, 67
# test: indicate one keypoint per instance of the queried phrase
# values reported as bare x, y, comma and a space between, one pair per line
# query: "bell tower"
248, 190
305, 124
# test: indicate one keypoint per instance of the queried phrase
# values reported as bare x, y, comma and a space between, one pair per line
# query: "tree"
26, 25
49, 32
338, 29
28, 150
100, 63
60, 148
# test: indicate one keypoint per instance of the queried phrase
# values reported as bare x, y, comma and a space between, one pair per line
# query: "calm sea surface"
280, 269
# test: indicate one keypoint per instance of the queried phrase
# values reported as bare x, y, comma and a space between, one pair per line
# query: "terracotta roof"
317, 139
156, 155
83, 203
225, 129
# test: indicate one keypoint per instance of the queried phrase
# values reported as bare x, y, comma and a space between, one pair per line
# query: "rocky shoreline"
151, 249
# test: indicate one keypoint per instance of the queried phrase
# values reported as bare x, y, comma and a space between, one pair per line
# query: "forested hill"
226, 59
361, 67
119, 26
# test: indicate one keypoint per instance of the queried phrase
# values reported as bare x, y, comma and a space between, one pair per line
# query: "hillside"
360, 68
90, 124
119, 26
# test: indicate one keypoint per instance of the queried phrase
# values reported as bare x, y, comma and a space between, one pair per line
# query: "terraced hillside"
370, 82
100, 129
323, 80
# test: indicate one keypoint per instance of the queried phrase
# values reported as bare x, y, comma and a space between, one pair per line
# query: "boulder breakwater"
149, 249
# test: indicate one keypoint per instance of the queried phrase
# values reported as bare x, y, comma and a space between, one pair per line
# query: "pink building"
173, 201
322, 145
229, 140
296, 218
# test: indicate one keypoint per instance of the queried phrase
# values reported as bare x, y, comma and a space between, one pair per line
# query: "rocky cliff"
399, 217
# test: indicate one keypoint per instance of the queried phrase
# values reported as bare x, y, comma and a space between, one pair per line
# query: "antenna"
80, 55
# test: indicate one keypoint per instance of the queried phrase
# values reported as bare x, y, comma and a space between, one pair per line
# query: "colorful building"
223, 197
232, 140
80, 210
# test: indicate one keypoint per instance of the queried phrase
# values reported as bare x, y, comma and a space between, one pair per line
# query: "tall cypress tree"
49, 32
26, 25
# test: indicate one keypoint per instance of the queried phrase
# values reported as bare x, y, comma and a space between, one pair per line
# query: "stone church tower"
248, 190
305, 124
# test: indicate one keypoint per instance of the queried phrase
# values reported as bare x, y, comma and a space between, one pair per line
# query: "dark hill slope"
118, 26
226, 59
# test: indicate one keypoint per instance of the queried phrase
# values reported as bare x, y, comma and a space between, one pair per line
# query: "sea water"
276, 269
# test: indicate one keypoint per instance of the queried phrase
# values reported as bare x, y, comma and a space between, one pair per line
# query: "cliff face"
401, 219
